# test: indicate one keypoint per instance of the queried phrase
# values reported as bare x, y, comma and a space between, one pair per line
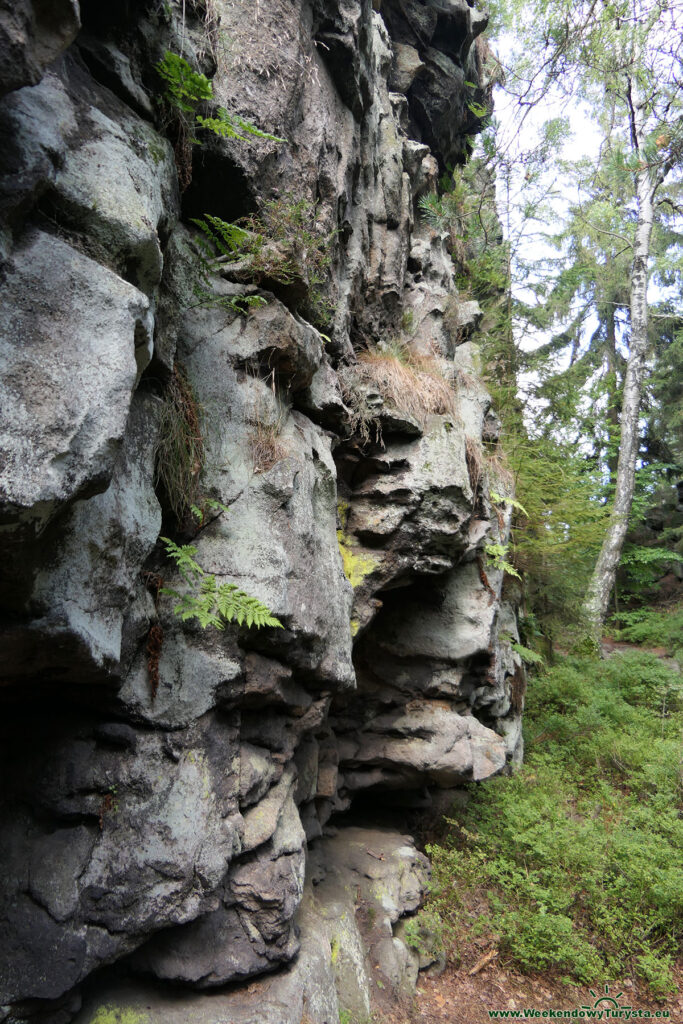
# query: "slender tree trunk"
599, 590
612, 392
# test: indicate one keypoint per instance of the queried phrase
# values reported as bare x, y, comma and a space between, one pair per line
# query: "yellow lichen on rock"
356, 566
115, 1015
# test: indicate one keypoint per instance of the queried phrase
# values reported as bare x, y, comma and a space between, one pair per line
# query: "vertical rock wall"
165, 786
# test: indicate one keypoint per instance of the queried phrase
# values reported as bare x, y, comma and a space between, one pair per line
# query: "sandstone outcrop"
175, 796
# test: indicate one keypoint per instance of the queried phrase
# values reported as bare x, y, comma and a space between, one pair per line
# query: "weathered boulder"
426, 743
364, 882
136, 832
83, 594
251, 931
68, 370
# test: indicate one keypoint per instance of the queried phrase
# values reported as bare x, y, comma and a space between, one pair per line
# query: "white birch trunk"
600, 588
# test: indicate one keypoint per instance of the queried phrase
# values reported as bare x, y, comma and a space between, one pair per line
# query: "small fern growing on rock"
212, 604
496, 554
186, 89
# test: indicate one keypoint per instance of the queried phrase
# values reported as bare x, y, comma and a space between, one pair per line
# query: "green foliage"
282, 244
556, 545
220, 238
666, 391
496, 553
303, 250
465, 210
642, 566
220, 241
652, 627
577, 853
527, 655
504, 499
210, 603
425, 933
187, 89
208, 505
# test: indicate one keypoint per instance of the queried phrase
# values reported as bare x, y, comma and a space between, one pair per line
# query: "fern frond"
496, 553
210, 604
527, 655
183, 556
503, 499
185, 88
232, 126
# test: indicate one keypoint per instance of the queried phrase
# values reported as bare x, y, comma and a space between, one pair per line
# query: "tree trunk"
600, 587
612, 393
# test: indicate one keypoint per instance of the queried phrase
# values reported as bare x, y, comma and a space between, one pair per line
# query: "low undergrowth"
652, 627
573, 863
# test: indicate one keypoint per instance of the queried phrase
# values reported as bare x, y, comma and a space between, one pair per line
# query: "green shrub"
578, 854
653, 627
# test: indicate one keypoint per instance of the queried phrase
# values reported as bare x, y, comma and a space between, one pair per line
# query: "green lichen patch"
356, 565
117, 1015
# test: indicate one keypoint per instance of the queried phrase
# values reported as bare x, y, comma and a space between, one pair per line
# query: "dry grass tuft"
410, 383
499, 468
180, 448
266, 448
474, 457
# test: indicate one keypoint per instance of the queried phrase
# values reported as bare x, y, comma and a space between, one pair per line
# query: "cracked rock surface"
176, 825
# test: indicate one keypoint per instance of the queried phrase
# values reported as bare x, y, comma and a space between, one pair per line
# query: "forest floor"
458, 998
481, 977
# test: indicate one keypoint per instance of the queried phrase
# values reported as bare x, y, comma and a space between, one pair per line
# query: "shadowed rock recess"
183, 810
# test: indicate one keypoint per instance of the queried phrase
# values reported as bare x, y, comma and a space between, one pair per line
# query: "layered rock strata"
167, 785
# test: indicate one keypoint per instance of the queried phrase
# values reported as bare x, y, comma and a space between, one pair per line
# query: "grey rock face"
170, 788
154, 827
426, 743
366, 881
32, 34
85, 590
68, 373
251, 931
441, 36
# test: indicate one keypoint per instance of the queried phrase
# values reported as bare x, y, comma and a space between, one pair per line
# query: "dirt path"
456, 997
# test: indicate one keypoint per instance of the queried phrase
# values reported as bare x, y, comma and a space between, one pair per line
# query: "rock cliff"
178, 802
